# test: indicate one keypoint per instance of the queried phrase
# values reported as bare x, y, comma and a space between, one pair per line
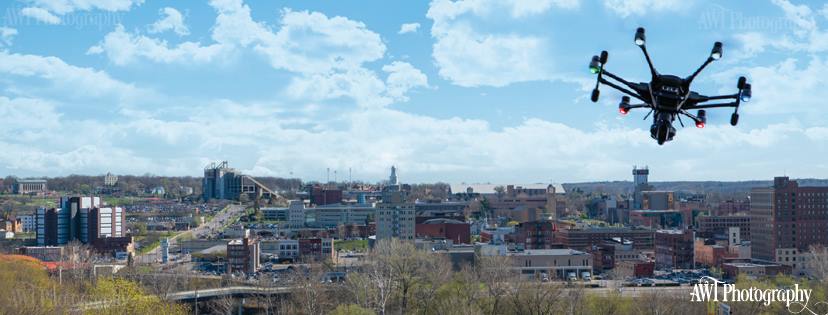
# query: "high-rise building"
395, 218
392, 180
79, 218
296, 214
786, 220
222, 182
640, 184
674, 249
243, 255
711, 226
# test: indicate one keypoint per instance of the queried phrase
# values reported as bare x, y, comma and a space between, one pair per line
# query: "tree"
496, 275
536, 298
351, 309
224, 304
817, 262
310, 293
435, 272
126, 297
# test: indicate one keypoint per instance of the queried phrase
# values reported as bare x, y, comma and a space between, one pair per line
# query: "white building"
282, 248
296, 214
110, 180
395, 220
556, 263
335, 214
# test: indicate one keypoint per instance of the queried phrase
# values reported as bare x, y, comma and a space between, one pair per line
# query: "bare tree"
817, 262
309, 294
536, 298
405, 262
224, 304
435, 272
496, 275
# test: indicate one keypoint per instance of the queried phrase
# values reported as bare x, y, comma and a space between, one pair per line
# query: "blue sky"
453, 91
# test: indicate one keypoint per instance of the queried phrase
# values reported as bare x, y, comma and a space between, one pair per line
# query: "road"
631, 292
210, 227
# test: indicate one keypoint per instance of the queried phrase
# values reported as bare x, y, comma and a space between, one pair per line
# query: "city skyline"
466, 91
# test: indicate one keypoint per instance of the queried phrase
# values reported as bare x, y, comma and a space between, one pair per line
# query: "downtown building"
583, 238
786, 220
243, 255
223, 182
395, 218
674, 249
83, 219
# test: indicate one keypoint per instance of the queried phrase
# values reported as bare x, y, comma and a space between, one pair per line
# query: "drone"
667, 96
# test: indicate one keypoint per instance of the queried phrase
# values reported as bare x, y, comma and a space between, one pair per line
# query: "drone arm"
649, 61
720, 97
619, 79
699, 70
718, 105
622, 89
715, 54
688, 114
639, 106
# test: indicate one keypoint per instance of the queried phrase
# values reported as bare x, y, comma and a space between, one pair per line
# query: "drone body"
667, 96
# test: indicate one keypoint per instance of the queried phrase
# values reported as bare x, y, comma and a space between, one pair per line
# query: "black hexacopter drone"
667, 96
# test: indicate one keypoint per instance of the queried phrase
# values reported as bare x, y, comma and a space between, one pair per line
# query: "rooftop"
549, 252
31, 181
442, 221
490, 188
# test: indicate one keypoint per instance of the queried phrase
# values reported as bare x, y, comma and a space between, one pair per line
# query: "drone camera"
640, 39
716, 53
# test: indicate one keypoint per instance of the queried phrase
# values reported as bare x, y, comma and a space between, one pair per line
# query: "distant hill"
699, 187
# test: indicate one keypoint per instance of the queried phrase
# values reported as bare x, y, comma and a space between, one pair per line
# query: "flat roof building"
30, 186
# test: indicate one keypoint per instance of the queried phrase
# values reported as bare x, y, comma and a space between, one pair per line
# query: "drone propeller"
596, 66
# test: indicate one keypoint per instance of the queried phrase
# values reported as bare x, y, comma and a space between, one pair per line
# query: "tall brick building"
786, 219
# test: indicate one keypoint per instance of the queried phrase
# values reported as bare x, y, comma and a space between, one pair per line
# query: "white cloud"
402, 76
360, 84
69, 82
307, 42
790, 86
409, 28
310, 42
122, 47
6, 36
806, 35
625, 8
48, 11
172, 21
327, 54
468, 57
530, 7
40, 14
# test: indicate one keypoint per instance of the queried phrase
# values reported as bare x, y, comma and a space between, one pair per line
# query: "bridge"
236, 291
